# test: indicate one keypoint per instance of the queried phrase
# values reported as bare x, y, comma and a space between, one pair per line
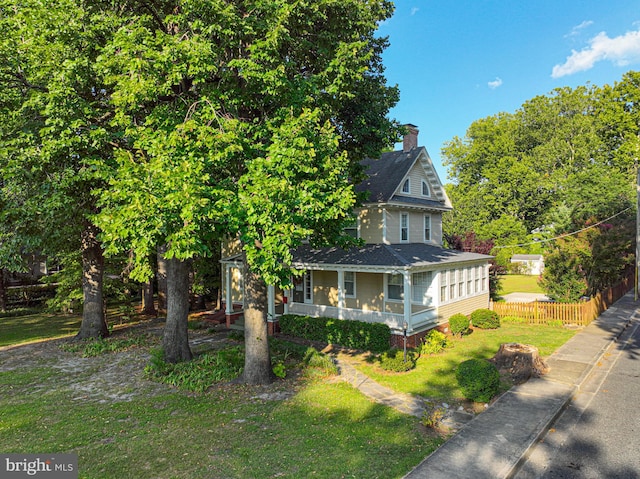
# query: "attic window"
425, 189
405, 186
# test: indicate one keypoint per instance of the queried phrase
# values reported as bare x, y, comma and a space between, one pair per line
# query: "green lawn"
323, 427
434, 375
519, 283
35, 327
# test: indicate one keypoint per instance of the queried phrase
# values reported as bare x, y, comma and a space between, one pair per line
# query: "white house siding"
325, 290
369, 296
416, 226
371, 225
464, 306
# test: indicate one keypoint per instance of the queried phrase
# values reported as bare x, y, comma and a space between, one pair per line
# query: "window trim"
344, 284
406, 187
387, 296
405, 227
425, 229
426, 299
307, 288
428, 194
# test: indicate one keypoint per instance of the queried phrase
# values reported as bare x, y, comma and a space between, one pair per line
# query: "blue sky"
458, 61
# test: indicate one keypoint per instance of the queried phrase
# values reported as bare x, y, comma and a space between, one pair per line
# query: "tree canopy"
561, 162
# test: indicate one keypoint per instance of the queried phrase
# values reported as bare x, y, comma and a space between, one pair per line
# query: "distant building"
532, 264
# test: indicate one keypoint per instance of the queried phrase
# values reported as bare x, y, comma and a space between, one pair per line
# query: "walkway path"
405, 403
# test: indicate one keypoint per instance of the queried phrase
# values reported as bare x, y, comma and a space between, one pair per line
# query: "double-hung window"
427, 228
350, 284
395, 287
420, 283
443, 286
404, 227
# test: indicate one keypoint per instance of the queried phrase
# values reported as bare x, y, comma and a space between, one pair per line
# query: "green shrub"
478, 379
373, 337
459, 324
280, 370
485, 319
393, 360
432, 415
320, 363
434, 342
198, 374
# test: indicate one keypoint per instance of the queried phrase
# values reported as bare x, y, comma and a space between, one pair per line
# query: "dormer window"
425, 189
405, 186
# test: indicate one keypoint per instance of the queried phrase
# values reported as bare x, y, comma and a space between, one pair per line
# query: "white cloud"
495, 83
576, 30
414, 10
620, 50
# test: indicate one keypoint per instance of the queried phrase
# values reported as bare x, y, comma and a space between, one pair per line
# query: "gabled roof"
385, 175
383, 255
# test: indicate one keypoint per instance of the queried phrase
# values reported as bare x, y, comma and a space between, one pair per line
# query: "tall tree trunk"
257, 360
175, 341
147, 298
3, 290
162, 281
94, 324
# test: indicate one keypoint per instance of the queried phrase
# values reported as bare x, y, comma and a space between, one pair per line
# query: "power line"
564, 235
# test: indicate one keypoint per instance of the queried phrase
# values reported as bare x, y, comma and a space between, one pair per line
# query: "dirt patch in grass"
108, 377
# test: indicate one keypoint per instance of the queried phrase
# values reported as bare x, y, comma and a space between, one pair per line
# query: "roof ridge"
397, 255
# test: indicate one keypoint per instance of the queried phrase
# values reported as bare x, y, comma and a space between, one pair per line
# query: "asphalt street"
598, 434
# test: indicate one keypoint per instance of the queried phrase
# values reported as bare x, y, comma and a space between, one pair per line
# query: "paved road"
598, 435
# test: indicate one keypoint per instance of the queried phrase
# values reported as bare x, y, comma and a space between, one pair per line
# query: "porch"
416, 321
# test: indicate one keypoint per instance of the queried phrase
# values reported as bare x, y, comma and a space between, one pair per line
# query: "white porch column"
229, 306
340, 294
407, 299
271, 302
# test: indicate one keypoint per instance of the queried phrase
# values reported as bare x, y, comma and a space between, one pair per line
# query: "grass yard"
55, 399
519, 283
102, 407
434, 375
36, 327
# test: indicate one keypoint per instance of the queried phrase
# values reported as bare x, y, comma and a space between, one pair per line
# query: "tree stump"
521, 361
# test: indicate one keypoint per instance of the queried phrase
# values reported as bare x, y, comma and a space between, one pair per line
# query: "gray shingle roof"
385, 174
396, 255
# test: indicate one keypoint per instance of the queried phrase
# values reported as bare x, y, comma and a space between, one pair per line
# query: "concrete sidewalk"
495, 443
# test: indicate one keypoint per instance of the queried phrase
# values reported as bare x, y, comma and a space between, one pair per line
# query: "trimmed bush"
434, 342
459, 324
393, 360
478, 379
485, 319
372, 337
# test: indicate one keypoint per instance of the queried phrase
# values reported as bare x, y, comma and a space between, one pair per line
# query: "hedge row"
373, 337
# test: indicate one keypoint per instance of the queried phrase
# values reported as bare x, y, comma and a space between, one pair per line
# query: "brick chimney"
410, 140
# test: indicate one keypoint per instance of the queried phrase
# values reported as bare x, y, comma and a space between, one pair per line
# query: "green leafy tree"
243, 118
54, 127
559, 161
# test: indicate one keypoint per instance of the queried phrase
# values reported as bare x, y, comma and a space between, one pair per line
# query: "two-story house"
401, 276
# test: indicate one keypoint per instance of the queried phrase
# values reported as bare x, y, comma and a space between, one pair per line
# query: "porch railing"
393, 320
